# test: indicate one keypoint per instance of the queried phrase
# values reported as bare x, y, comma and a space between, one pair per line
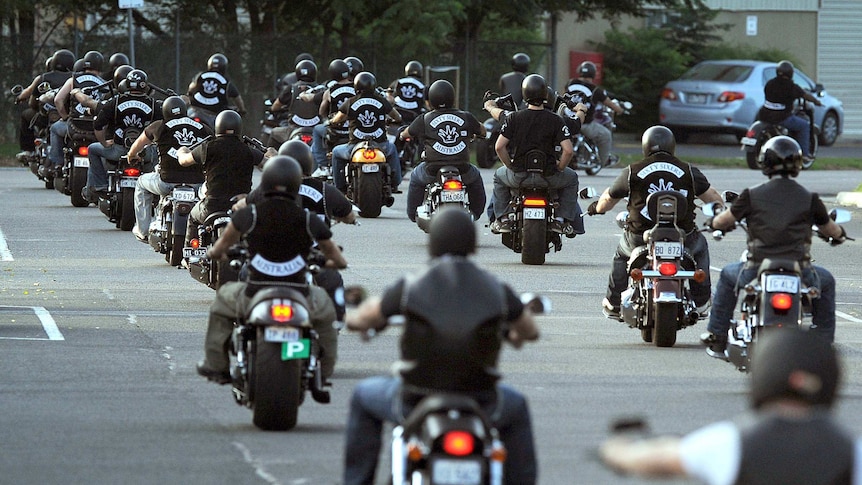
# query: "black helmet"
63, 60
217, 63
780, 155
116, 60
520, 62
355, 64
365, 82
306, 71
120, 74
785, 69
228, 122
441, 94
93, 60
136, 80
174, 107
534, 90
451, 232
79, 66
587, 70
303, 56
795, 364
413, 68
300, 152
658, 139
281, 175
338, 70
49, 63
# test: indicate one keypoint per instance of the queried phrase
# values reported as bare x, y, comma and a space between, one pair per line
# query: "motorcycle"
658, 300
277, 355
168, 229
777, 297
586, 153
486, 155
72, 176
447, 190
119, 205
211, 273
760, 131
46, 116
368, 179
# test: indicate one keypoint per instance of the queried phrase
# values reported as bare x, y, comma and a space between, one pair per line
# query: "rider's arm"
606, 202
711, 195
656, 457
332, 253
137, 147
185, 157
323, 110
566, 156
395, 115
230, 237
61, 97
612, 105
501, 148
25, 94
724, 220
338, 118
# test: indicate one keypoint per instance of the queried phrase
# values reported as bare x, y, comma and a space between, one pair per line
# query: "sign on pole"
131, 3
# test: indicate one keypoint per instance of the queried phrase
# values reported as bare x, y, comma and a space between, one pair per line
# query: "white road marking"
847, 317
48, 323
259, 469
5, 254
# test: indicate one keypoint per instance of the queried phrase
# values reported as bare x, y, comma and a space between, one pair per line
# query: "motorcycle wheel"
175, 255
77, 181
277, 387
594, 170
646, 335
751, 159
665, 323
369, 194
533, 242
127, 210
49, 182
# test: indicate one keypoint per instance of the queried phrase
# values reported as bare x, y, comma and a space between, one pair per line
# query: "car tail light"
781, 301
667, 269
453, 185
83, 151
535, 202
195, 243
132, 172
281, 312
670, 94
728, 96
458, 443
306, 138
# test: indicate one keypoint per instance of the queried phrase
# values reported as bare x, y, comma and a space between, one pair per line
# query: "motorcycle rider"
446, 132
211, 92
452, 356
280, 235
659, 170
408, 93
536, 128
355, 64
289, 79
366, 113
593, 96
173, 131
116, 60
779, 213
788, 437
340, 91
303, 111
780, 93
125, 115
510, 83
228, 164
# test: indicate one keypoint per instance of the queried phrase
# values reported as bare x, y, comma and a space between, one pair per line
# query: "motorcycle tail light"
453, 185
195, 243
132, 172
781, 301
728, 96
38, 142
750, 133
281, 312
667, 269
458, 443
414, 452
197, 119
699, 276
498, 453
535, 202
637, 274
306, 138
84, 151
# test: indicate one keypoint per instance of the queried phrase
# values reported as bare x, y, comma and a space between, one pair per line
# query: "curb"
850, 199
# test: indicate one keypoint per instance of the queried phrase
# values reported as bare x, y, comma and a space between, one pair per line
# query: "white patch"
660, 167
310, 192
133, 103
271, 268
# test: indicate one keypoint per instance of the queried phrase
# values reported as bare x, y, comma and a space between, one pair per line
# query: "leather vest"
367, 115
779, 221
585, 90
172, 135
652, 174
132, 114
446, 138
210, 91
409, 94
279, 241
313, 196
229, 166
303, 113
510, 83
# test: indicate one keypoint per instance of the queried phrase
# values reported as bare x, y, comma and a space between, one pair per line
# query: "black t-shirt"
228, 164
592, 96
533, 129
780, 93
367, 116
446, 134
170, 136
409, 94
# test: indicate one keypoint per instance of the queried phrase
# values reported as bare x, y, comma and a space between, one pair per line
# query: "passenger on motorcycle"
593, 97
536, 128
780, 93
446, 132
304, 112
280, 235
510, 83
211, 91
340, 91
366, 113
779, 215
788, 437
173, 131
455, 356
126, 116
660, 170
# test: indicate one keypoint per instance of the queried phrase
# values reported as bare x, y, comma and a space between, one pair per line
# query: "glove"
593, 209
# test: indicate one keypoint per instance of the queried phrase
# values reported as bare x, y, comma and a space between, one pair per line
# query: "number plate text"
533, 213
782, 284
668, 250
456, 472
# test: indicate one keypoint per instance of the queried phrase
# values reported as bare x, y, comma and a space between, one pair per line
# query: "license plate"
533, 213
267, 129
194, 252
281, 334
668, 250
82, 162
782, 284
456, 472
128, 183
748, 141
370, 168
451, 196
696, 98
183, 195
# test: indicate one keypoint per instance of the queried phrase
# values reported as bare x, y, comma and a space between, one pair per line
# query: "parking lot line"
45, 318
5, 254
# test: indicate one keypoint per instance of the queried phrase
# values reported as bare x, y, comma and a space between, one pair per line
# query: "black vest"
280, 241
132, 113
779, 222
510, 83
446, 138
210, 91
172, 135
451, 341
338, 95
586, 91
313, 192
303, 113
409, 94
367, 115
659, 172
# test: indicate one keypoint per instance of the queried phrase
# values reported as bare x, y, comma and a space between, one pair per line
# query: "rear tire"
175, 255
646, 335
369, 193
533, 241
665, 324
127, 209
77, 181
277, 387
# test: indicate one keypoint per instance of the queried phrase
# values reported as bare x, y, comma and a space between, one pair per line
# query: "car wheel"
829, 129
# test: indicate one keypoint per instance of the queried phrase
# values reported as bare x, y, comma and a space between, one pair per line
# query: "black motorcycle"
118, 204
760, 131
447, 190
71, 178
168, 230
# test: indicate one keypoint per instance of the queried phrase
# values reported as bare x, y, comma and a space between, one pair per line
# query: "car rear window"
730, 73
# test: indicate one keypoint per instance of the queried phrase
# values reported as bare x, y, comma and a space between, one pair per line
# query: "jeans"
799, 130
231, 299
735, 276
97, 174
378, 399
565, 183
149, 184
601, 136
341, 155
695, 244
318, 145
420, 178
59, 130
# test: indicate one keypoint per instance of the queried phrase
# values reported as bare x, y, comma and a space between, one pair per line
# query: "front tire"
829, 129
127, 209
369, 193
665, 324
277, 387
533, 241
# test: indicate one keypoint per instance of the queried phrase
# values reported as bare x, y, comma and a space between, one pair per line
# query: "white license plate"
281, 334
194, 252
696, 99
370, 168
748, 141
267, 129
128, 183
451, 196
183, 195
668, 250
82, 162
456, 472
533, 213
782, 284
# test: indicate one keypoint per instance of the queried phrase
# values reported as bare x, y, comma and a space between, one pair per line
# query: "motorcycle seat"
437, 403
276, 292
777, 264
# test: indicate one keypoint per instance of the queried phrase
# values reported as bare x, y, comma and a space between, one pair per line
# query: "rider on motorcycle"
280, 235
446, 132
593, 96
304, 112
510, 83
409, 92
450, 355
780, 93
340, 91
660, 170
779, 215
211, 92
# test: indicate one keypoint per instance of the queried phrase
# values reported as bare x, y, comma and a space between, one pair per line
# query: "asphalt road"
99, 338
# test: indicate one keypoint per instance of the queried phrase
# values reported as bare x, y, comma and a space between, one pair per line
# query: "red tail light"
535, 202
667, 269
458, 443
669, 94
453, 185
781, 301
749, 133
306, 138
195, 243
83, 151
368, 154
132, 172
281, 312
729, 96
197, 119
